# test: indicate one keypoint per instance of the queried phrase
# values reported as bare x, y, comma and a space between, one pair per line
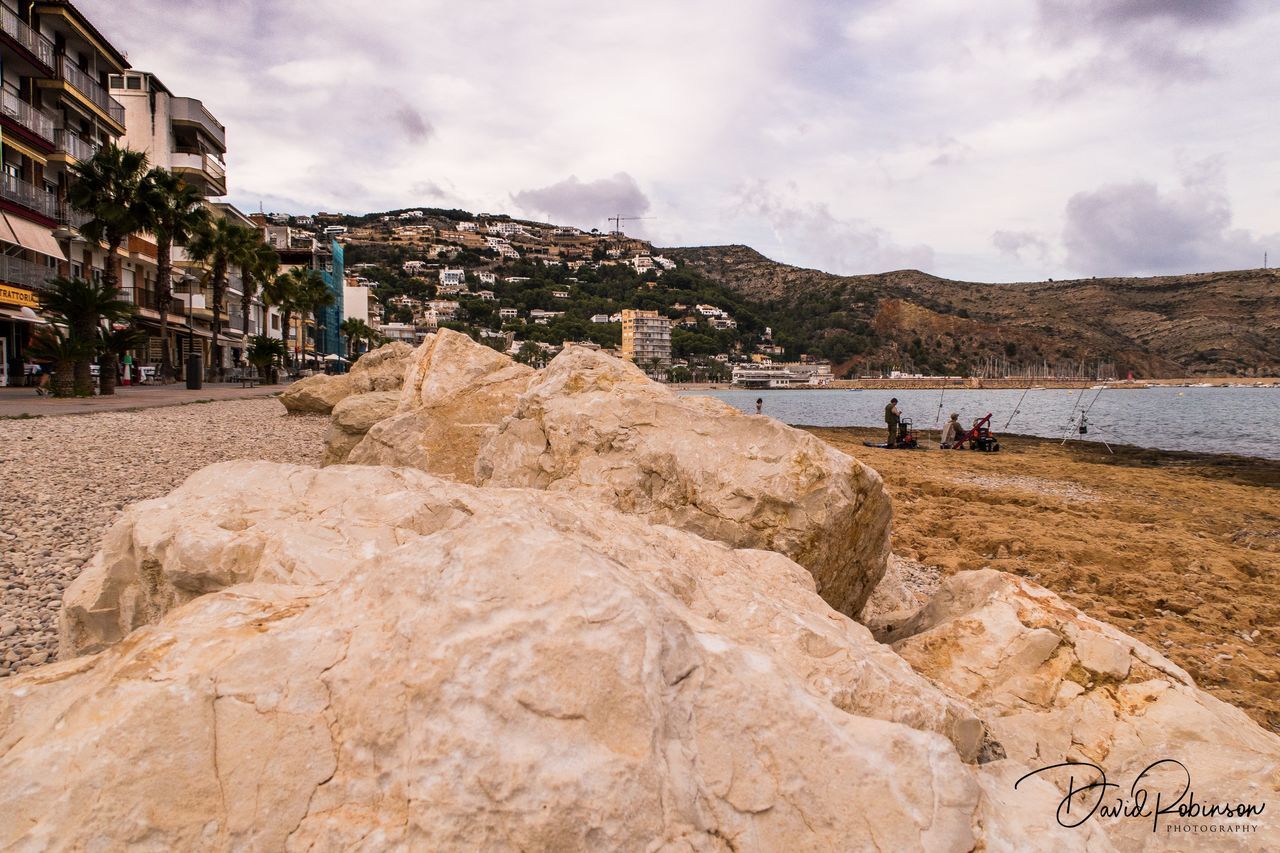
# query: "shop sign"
18, 296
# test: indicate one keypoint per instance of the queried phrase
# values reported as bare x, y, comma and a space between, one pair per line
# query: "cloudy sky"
1005, 141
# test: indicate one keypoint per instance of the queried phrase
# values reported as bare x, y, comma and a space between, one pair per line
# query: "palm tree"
113, 343
282, 291
173, 211
82, 306
354, 330
216, 244
313, 296
258, 262
109, 188
65, 352
263, 354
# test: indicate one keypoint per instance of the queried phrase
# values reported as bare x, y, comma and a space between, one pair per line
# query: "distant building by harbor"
646, 339
815, 374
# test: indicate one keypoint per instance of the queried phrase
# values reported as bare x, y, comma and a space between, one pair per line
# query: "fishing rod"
1018, 408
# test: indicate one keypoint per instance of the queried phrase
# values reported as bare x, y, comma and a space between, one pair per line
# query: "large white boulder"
1055, 685
352, 418
381, 369
381, 659
455, 393
596, 426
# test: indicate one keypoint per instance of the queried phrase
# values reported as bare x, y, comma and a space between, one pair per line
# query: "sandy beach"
1181, 550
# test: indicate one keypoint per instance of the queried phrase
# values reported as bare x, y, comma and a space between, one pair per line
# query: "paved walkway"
20, 402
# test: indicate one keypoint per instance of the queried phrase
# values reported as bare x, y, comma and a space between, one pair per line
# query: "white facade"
453, 277
355, 303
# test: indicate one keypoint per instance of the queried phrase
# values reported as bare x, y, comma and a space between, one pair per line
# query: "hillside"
1221, 324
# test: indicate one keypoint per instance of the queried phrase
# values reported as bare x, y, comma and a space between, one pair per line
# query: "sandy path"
1181, 551
63, 480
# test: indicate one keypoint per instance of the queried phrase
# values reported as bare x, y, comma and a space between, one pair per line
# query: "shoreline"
971, 384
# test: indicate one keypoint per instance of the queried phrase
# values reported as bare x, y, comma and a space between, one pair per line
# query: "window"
134, 82
116, 81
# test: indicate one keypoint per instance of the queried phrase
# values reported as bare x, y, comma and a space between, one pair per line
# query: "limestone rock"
455, 393
352, 418
386, 666
381, 369
596, 426
1054, 685
316, 395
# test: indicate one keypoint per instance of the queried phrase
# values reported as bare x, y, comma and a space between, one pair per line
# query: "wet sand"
1179, 549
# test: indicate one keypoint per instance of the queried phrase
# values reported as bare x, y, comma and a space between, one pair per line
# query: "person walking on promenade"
892, 416
759, 404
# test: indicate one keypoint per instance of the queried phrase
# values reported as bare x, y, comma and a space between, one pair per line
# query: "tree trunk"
108, 363
246, 300
164, 296
286, 318
63, 382
219, 292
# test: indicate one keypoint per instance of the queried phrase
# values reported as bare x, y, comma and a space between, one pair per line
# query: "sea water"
1239, 420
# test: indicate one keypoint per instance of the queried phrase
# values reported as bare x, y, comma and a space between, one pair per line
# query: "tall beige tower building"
646, 339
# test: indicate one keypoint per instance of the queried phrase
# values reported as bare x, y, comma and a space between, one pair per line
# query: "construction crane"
618, 220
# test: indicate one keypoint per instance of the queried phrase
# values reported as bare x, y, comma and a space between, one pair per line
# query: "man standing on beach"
892, 415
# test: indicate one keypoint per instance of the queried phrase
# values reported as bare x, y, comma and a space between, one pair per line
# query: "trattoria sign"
18, 296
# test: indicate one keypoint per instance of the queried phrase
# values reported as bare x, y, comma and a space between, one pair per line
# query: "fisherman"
892, 416
952, 432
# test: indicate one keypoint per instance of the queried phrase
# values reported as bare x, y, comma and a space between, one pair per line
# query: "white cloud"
895, 123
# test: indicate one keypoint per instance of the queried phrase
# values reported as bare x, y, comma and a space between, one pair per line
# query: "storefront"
17, 319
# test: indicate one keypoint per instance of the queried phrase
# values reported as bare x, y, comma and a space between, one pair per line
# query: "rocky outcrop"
372, 658
455, 393
381, 369
596, 426
352, 418
1054, 686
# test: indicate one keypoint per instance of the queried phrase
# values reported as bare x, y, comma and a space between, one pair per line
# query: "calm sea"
1243, 421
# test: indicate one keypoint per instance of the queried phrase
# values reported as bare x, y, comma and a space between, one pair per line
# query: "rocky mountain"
1211, 324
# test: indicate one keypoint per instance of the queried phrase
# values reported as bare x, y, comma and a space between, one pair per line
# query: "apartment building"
54, 112
178, 134
646, 340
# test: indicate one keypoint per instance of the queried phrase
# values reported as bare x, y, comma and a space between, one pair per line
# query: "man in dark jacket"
892, 416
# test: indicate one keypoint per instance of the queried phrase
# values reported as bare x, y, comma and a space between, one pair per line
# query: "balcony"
90, 89
29, 196
205, 166
66, 142
190, 111
24, 273
20, 112
34, 43
71, 217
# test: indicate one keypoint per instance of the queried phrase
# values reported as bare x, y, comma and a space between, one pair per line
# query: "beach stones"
595, 426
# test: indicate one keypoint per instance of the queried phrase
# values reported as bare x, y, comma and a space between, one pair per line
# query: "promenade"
24, 402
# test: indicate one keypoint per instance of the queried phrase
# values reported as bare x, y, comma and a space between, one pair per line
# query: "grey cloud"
1135, 228
1014, 243
811, 231
585, 204
1139, 41
413, 123
1075, 15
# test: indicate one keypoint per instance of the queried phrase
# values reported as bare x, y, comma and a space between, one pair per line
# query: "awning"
6, 314
34, 237
6, 233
